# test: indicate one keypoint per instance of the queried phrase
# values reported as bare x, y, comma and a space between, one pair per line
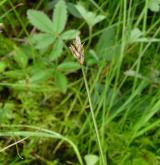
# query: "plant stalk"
90, 37
93, 117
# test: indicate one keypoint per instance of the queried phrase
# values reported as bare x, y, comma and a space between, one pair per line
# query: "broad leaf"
92, 57
42, 40
135, 34
40, 21
90, 17
106, 39
20, 57
83, 13
140, 161
60, 16
57, 50
72, 9
69, 66
41, 75
15, 74
61, 81
91, 159
3, 66
133, 73
105, 47
70, 34
154, 5
98, 19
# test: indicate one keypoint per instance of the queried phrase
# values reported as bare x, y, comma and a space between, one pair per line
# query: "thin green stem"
93, 118
90, 37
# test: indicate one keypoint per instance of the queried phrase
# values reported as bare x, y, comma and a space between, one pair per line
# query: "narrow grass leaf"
40, 21
41, 132
148, 127
147, 116
60, 16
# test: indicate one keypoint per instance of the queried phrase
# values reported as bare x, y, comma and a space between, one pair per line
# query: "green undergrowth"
45, 113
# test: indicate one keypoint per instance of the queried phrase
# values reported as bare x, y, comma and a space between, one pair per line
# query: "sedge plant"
78, 52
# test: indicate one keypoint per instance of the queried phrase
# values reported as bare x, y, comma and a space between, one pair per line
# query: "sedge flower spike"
77, 50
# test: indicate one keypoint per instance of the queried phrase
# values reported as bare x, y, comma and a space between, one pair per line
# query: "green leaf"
154, 5
90, 17
91, 159
72, 9
20, 57
57, 50
106, 39
70, 34
106, 47
69, 66
61, 81
86, 15
41, 75
42, 40
6, 112
139, 161
133, 73
3, 65
15, 74
92, 57
135, 34
98, 19
60, 16
40, 21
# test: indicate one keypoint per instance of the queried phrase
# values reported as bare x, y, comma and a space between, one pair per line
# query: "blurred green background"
45, 116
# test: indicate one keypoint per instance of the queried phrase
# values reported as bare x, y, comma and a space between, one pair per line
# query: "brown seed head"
77, 50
